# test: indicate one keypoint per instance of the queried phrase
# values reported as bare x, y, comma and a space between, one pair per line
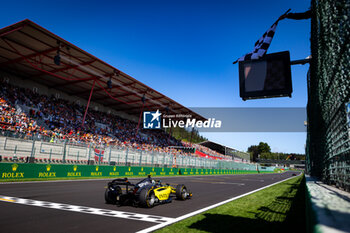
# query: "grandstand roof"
218, 147
28, 50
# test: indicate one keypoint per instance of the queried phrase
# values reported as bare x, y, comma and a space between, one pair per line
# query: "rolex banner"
22, 171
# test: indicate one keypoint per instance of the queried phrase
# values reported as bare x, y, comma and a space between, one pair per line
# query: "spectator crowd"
29, 113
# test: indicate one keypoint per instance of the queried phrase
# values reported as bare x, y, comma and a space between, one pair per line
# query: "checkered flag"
261, 46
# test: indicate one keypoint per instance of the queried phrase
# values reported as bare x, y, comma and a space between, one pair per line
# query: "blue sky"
183, 49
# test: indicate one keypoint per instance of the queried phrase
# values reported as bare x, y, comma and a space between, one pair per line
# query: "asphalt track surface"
207, 190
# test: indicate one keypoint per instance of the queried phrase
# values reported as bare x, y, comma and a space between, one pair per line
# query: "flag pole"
257, 48
283, 15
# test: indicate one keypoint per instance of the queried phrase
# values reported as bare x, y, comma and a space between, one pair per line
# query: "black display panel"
267, 77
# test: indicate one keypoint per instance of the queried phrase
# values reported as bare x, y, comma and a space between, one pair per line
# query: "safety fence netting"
328, 134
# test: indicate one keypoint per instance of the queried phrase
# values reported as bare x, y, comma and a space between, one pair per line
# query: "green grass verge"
280, 208
279, 170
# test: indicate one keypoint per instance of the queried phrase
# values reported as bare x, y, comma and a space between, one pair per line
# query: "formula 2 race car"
146, 193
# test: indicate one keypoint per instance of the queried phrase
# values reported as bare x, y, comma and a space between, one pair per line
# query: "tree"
254, 151
186, 135
264, 150
263, 147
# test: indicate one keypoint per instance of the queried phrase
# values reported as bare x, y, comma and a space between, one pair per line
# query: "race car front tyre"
181, 192
147, 197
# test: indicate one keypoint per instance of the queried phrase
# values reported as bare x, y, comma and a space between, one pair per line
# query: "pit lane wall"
20, 171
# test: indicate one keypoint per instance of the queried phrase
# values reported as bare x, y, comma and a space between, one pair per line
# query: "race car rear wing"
121, 182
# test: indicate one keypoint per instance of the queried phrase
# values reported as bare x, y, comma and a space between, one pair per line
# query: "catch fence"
328, 135
15, 147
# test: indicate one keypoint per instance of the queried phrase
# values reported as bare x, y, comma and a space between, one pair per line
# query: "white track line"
87, 210
131, 178
215, 182
159, 226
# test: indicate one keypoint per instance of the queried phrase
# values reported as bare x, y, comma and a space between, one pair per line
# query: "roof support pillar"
88, 104
138, 124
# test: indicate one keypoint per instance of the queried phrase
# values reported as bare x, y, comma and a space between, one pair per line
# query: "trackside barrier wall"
18, 150
18, 171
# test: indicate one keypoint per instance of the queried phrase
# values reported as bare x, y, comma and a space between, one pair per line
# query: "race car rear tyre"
147, 198
181, 192
108, 196
112, 197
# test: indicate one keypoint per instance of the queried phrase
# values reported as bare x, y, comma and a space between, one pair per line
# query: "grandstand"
60, 104
221, 149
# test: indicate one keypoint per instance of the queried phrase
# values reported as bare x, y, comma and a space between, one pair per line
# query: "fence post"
110, 154
15, 152
118, 158
32, 152
89, 154
126, 156
5, 143
152, 158
50, 155
41, 146
140, 158
99, 155
64, 152
78, 157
